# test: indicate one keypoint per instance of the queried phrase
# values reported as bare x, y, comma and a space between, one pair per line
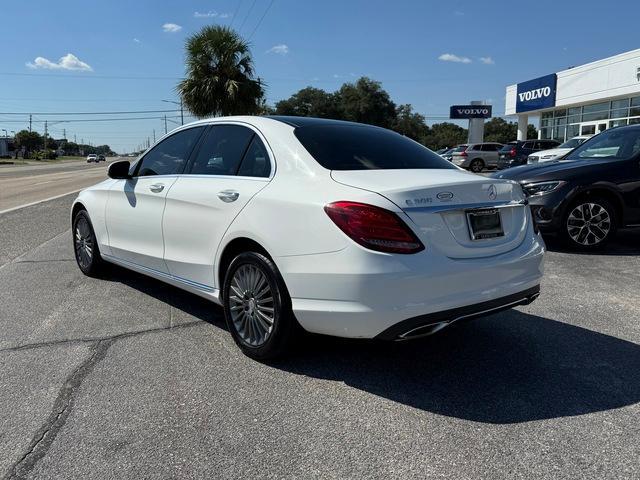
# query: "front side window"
355, 147
222, 150
612, 144
170, 155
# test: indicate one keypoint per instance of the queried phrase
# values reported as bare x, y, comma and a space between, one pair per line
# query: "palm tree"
220, 75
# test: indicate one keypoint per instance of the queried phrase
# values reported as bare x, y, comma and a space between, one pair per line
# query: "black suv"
588, 194
516, 153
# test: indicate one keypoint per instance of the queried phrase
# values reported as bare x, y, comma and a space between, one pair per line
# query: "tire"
589, 223
85, 245
263, 329
476, 165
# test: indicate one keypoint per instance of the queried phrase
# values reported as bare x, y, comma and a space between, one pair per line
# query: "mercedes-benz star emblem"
493, 193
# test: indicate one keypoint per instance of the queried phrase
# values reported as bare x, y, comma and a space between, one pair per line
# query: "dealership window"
545, 133
558, 133
633, 121
617, 123
597, 111
572, 131
620, 108
635, 107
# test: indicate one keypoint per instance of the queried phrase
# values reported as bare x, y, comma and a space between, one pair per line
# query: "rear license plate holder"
484, 223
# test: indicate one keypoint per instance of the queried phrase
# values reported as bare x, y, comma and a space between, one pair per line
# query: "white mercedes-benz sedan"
334, 227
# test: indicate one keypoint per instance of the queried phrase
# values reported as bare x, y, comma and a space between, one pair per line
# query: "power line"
93, 76
90, 113
235, 13
83, 120
261, 18
247, 15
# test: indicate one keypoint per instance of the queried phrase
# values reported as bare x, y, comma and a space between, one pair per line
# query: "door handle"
228, 196
156, 187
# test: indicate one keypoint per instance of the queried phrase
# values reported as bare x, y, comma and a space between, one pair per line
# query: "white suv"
555, 153
476, 156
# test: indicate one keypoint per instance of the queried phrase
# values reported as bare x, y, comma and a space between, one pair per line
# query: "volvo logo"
472, 111
534, 94
444, 196
493, 193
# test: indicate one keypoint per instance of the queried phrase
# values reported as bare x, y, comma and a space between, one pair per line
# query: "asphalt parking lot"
125, 377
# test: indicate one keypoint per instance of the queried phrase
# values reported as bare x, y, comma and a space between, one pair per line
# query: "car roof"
310, 121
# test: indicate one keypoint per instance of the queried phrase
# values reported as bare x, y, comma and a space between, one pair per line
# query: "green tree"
366, 102
410, 123
499, 130
445, 134
220, 74
29, 140
310, 102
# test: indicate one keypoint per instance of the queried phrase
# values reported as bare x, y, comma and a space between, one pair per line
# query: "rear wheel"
85, 245
476, 165
589, 223
257, 307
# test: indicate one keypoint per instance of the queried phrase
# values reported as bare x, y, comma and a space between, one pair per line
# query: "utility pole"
74, 138
45, 135
165, 124
181, 113
154, 136
64, 133
30, 118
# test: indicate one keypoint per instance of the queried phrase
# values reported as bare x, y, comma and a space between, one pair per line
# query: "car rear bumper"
361, 294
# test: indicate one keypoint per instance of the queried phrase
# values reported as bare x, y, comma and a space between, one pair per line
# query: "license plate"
484, 224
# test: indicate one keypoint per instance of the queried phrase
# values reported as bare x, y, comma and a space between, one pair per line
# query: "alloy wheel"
588, 224
251, 305
83, 243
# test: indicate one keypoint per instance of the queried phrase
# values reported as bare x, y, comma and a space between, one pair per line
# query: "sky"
72, 56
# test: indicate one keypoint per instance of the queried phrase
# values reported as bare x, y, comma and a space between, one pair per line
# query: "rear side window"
222, 150
354, 147
459, 149
256, 161
170, 155
528, 145
508, 147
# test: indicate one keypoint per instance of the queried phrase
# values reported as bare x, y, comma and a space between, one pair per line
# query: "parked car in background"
516, 153
590, 193
92, 158
447, 154
442, 150
476, 156
334, 227
554, 153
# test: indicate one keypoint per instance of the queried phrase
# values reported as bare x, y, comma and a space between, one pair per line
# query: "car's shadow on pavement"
507, 368
626, 242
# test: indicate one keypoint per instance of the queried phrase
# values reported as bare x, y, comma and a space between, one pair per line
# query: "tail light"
373, 227
512, 152
463, 154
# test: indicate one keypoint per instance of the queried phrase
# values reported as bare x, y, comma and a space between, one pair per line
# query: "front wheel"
476, 165
257, 307
85, 245
589, 223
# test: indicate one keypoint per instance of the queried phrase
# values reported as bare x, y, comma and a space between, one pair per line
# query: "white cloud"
136, 40
487, 60
209, 14
458, 13
281, 49
450, 57
171, 27
224, 15
68, 62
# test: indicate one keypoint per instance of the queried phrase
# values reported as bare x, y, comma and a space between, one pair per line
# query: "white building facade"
582, 100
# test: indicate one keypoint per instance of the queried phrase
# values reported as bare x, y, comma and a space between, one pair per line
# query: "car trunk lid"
437, 202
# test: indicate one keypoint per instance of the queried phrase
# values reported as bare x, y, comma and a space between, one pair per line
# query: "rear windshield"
459, 148
508, 147
354, 147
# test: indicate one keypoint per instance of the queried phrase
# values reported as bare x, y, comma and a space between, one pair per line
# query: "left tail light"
373, 227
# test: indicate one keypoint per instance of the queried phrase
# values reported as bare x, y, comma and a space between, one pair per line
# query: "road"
125, 377
21, 185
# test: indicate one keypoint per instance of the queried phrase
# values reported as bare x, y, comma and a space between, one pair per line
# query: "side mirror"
119, 170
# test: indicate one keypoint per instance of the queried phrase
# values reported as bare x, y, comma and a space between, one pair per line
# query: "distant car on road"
297, 223
516, 153
476, 156
554, 153
101, 158
92, 158
588, 194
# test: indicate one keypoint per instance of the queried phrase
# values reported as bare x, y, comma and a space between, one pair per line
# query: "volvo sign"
470, 111
536, 94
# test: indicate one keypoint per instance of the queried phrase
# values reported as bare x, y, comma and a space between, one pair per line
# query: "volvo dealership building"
582, 100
